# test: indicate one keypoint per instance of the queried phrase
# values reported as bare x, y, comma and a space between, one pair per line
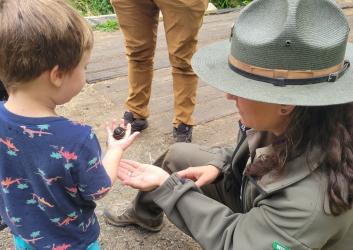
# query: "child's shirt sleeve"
93, 180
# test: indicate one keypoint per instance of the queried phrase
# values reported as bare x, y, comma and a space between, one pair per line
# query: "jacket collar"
294, 170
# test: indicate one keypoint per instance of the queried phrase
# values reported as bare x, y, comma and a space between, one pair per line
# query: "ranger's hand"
144, 177
201, 175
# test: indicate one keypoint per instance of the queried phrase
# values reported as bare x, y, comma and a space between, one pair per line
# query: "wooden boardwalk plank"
108, 57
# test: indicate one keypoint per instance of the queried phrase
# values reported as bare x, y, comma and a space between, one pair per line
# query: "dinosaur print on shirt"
50, 174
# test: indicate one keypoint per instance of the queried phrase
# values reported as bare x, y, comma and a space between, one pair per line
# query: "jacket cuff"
170, 191
167, 186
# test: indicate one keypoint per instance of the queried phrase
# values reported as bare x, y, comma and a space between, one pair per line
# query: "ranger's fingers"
123, 173
134, 182
183, 173
132, 163
188, 173
127, 166
201, 181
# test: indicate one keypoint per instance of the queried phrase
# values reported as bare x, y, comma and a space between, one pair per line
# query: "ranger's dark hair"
329, 128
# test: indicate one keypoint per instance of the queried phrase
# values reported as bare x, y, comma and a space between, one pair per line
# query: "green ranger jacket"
290, 211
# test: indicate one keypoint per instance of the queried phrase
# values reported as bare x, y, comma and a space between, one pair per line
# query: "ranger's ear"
286, 109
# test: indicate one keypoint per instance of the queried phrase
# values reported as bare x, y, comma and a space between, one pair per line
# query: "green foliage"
222, 4
108, 26
92, 7
103, 7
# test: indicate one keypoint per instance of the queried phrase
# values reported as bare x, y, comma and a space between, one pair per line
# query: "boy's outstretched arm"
115, 149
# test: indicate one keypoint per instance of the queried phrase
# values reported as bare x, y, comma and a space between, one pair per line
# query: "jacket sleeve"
214, 226
222, 157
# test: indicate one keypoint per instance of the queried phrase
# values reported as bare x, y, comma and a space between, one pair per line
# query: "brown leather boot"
129, 217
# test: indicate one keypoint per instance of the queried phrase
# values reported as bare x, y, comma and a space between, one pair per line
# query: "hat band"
281, 77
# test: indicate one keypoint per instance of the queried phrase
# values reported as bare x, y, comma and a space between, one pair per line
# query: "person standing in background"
138, 20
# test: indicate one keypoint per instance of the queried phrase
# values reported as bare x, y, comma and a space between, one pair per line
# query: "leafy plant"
92, 7
103, 7
108, 26
222, 4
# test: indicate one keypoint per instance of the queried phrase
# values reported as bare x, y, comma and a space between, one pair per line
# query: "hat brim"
210, 63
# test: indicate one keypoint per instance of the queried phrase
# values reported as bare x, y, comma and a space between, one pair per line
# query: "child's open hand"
123, 143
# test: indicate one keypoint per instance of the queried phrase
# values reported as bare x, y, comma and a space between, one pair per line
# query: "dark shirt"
50, 173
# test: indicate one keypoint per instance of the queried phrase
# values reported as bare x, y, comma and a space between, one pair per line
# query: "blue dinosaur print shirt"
50, 173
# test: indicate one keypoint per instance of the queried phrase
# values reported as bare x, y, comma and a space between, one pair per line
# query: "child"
50, 167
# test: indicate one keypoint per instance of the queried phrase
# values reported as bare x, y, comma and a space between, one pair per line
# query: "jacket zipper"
241, 141
242, 195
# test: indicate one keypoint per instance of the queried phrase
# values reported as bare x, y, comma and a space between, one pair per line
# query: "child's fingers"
128, 130
132, 137
108, 129
122, 123
113, 124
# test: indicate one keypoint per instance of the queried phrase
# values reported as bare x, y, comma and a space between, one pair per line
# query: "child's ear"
56, 76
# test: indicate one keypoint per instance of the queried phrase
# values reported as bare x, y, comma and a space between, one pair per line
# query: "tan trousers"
138, 20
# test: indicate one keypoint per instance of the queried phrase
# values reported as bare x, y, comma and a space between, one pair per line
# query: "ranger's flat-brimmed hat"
283, 51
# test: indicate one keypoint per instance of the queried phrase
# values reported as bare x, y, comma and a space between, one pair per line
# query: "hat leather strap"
288, 77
